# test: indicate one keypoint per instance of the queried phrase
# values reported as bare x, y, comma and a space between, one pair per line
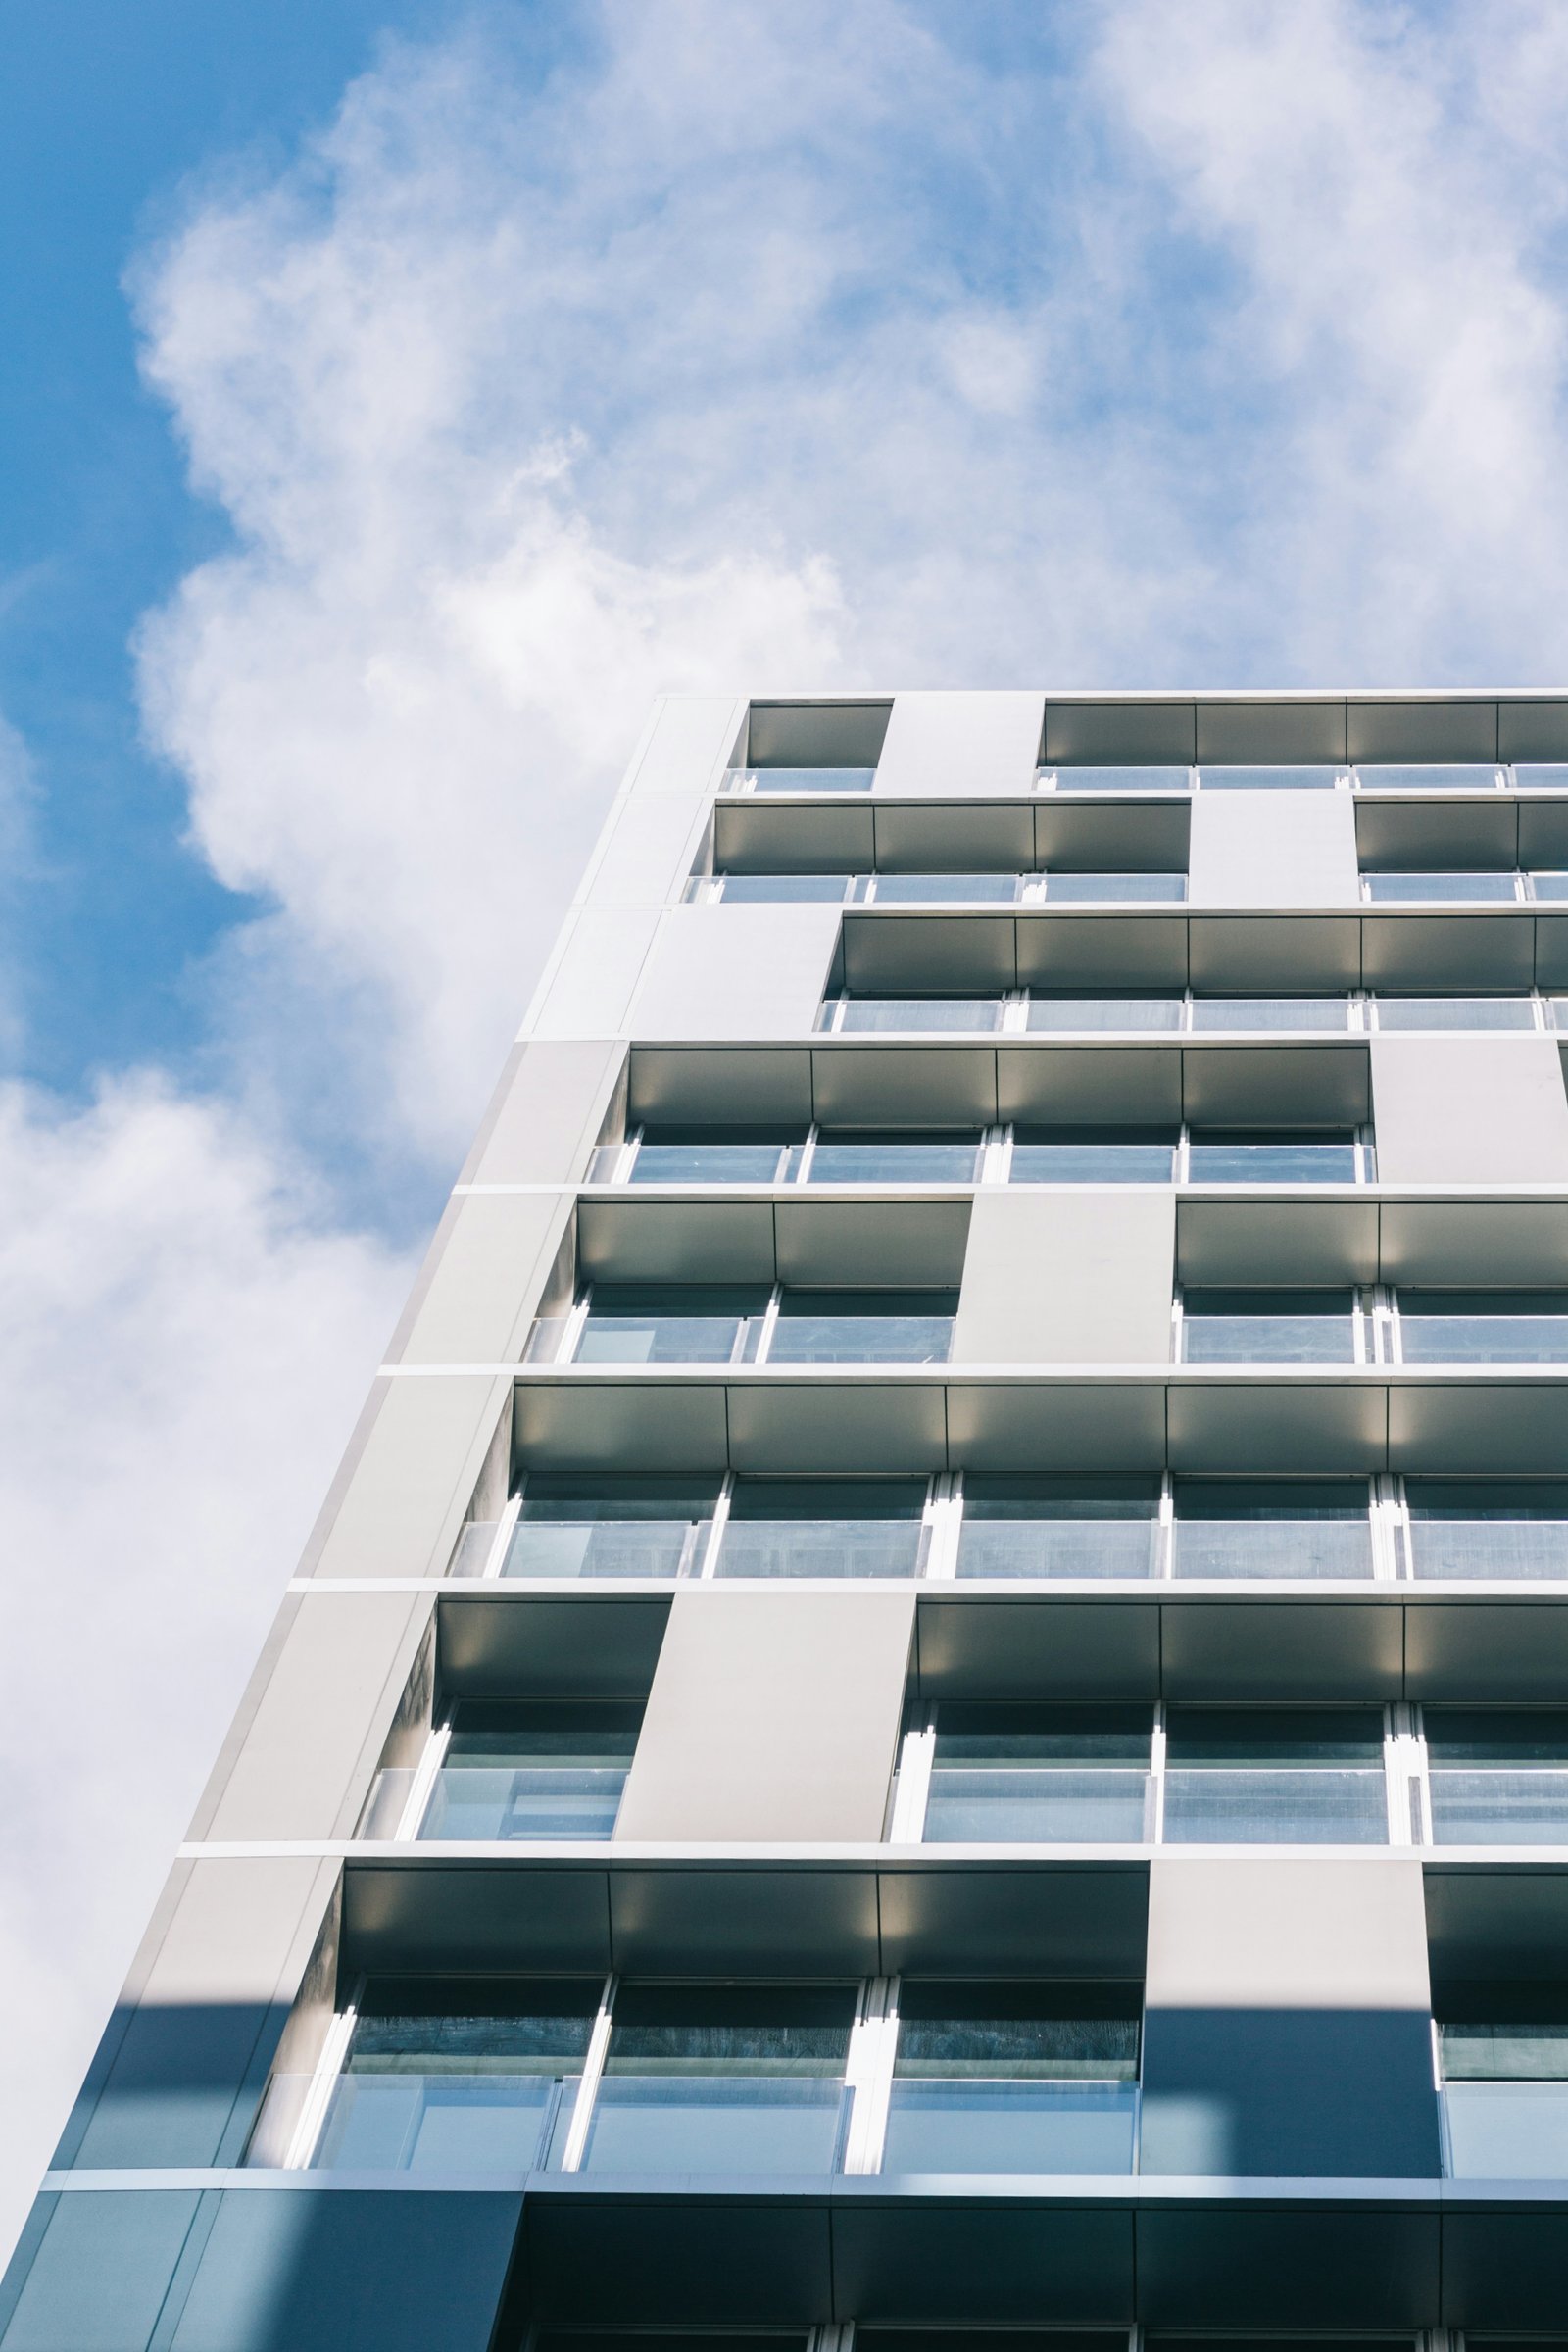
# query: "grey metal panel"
1290, 1649
1476, 1651
983, 2263
1055, 1918
1078, 949
932, 837
962, 744
1450, 829
895, 953
892, 1085
546, 1113
1315, 954
973, 1646
639, 1239
1278, 1424
1543, 832
1118, 734
588, 993
479, 1287
1485, 1110
855, 1425
1505, 2267
1081, 1085
1255, 731
450, 1916
1273, 849
1551, 952
397, 1505
1312, 2264
736, 972
773, 1715
1273, 1084
816, 734
1024, 1426
1496, 1921
726, 1083
1533, 730
571, 1423
1447, 954
765, 837
319, 1723
1290, 1241
1465, 1425
520, 1644
678, 2258
872, 1244
1417, 729
1486, 1243
746, 1921
1120, 835
1067, 1277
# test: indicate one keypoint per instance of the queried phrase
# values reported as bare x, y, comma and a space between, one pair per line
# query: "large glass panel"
823, 1527
1059, 1527
1302, 1775
771, 890
1113, 889
1397, 889
1273, 1527
1488, 1527
1238, 1155
1120, 779
1498, 1775
1319, 776
873, 1156
1022, 1774
1270, 1012
460, 2076
610, 1526
921, 1013
671, 1155
1505, 2060
1483, 1327
1092, 1156
536, 1768
1436, 777
916, 890
1507, 2132
1268, 1327
1014, 2078
1455, 1012
805, 779
863, 1327
723, 2078
664, 1323
1104, 1013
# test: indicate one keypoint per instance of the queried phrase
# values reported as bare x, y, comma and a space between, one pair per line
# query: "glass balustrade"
669, 1156
891, 1015
794, 1527
533, 1769
1124, 1012
1271, 776
1505, 2086
872, 1156
1481, 775
1291, 1777
1115, 778
774, 890
1092, 1156
610, 1526
863, 1327
1241, 1156
1482, 1327
650, 1323
1268, 1327
1017, 1774
1272, 1528
1012, 2078
936, 890
1059, 1527
1270, 1012
1402, 888
1089, 890
1488, 1527
1454, 1013
1497, 1776
801, 779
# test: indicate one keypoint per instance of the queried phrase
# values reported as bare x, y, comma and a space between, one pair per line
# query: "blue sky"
393, 398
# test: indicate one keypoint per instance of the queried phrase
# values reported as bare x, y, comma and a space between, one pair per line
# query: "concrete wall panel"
1469, 1110
1067, 1278
1273, 849
956, 745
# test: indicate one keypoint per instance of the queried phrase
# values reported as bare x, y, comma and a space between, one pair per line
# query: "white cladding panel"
1469, 1110
737, 972
961, 744
1273, 849
1063, 1277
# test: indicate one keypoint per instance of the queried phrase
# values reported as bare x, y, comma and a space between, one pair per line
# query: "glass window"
1497, 1776
916, 890
1112, 778
1300, 1775
1270, 1012
1549, 885
1478, 775
535, 1768
1273, 1527
1483, 1327
1398, 887
1105, 1013
1092, 1156
823, 1527
1041, 1774
461, 2076
1241, 1156
1110, 889
920, 1012
712, 1156
869, 1155
610, 1526
1014, 2078
1268, 1327
771, 890
805, 779
723, 2078
1316, 776
1486, 1527
863, 1327
668, 1323
1059, 1526
1455, 1012
1503, 2053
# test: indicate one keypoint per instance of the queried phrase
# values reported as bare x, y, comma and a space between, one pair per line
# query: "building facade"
932, 1705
